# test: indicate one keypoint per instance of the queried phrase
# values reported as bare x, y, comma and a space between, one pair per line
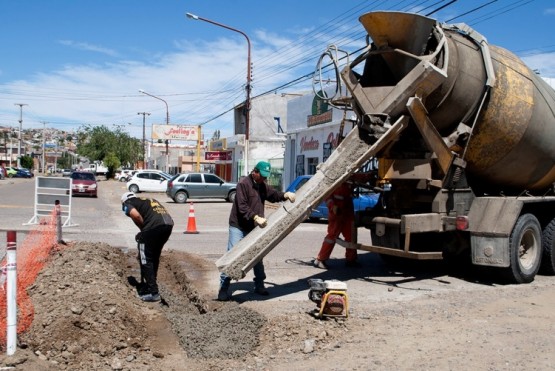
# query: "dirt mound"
88, 317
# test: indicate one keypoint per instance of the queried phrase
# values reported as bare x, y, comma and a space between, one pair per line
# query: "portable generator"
330, 296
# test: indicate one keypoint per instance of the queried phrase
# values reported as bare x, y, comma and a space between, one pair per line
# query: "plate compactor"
330, 296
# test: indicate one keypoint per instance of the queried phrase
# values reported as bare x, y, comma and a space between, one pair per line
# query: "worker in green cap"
246, 214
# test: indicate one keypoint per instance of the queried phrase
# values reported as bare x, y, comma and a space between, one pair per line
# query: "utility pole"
19, 136
43, 147
144, 137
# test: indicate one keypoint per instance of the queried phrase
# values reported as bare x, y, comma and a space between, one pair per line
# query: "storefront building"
313, 134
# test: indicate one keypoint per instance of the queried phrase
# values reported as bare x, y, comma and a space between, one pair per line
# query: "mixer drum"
512, 144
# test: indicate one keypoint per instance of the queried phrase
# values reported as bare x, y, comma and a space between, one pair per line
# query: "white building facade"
314, 130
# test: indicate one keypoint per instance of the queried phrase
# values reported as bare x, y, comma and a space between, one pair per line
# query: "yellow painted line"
15, 207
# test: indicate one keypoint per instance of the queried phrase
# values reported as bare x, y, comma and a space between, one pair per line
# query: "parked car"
148, 181
23, 173
66, 172
11, 171
84, 184
199, 185
363, 198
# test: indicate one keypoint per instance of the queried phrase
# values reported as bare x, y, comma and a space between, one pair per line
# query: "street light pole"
248, 86
167, 123
144, 137
19, 136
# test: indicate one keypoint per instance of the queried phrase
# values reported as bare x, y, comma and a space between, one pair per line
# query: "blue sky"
83, 62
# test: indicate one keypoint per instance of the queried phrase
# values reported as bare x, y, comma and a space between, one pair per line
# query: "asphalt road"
287, 267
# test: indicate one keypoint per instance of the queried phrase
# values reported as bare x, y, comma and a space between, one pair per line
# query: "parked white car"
148, 181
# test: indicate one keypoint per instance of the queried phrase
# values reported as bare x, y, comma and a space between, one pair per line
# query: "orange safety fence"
32, 255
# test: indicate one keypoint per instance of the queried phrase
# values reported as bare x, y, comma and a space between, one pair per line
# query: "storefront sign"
309, 144
218, 145
333, 139
322, 118
218, 155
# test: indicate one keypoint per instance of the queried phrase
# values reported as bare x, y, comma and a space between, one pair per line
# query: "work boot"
223, 295
320, 264
261, 290
150, 297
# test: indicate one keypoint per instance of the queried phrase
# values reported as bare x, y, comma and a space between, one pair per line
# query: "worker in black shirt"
156, 226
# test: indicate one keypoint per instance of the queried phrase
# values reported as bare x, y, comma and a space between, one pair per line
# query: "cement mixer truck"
464, 136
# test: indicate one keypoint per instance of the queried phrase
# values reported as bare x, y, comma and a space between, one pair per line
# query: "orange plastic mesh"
32, 255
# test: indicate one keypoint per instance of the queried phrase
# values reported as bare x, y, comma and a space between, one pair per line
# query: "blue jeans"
236, 235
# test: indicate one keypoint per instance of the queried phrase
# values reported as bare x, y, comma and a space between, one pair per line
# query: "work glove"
260, 221
139, 237
289, 196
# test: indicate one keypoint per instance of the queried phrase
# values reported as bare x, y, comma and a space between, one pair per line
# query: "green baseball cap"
264, 168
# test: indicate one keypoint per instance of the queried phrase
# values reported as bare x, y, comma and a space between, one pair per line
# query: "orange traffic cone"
191, 223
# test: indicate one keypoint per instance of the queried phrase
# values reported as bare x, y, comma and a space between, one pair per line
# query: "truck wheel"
231, 196
524, 250
134, 188
180, 197
548, 248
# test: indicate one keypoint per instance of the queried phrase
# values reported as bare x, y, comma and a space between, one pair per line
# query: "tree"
112, 162
99, 143
64, 162
26, 162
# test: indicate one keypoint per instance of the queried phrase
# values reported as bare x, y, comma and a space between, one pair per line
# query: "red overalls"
341, 215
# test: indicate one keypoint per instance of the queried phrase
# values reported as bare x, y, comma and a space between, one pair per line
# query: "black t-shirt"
153, 213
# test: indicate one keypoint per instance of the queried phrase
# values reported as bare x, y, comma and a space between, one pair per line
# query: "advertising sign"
178, 132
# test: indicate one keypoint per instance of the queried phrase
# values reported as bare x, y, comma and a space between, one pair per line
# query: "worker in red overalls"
341, 215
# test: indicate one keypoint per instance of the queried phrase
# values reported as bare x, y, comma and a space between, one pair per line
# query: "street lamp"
20, 125
247, 88
144, 137
167, 123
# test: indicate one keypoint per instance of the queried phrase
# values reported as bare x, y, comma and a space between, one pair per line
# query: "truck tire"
134, 188
524, 250
181, 197
548, 248
231, 196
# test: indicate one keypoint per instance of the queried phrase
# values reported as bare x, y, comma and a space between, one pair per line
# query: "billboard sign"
178, 132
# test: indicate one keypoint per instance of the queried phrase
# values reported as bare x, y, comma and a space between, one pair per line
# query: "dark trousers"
150, 250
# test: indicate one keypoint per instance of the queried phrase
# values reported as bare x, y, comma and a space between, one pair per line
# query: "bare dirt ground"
88, 317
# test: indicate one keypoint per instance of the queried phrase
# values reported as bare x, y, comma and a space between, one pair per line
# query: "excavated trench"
227, 331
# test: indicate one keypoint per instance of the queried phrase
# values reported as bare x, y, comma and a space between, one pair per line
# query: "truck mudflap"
490, 222
348, 157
